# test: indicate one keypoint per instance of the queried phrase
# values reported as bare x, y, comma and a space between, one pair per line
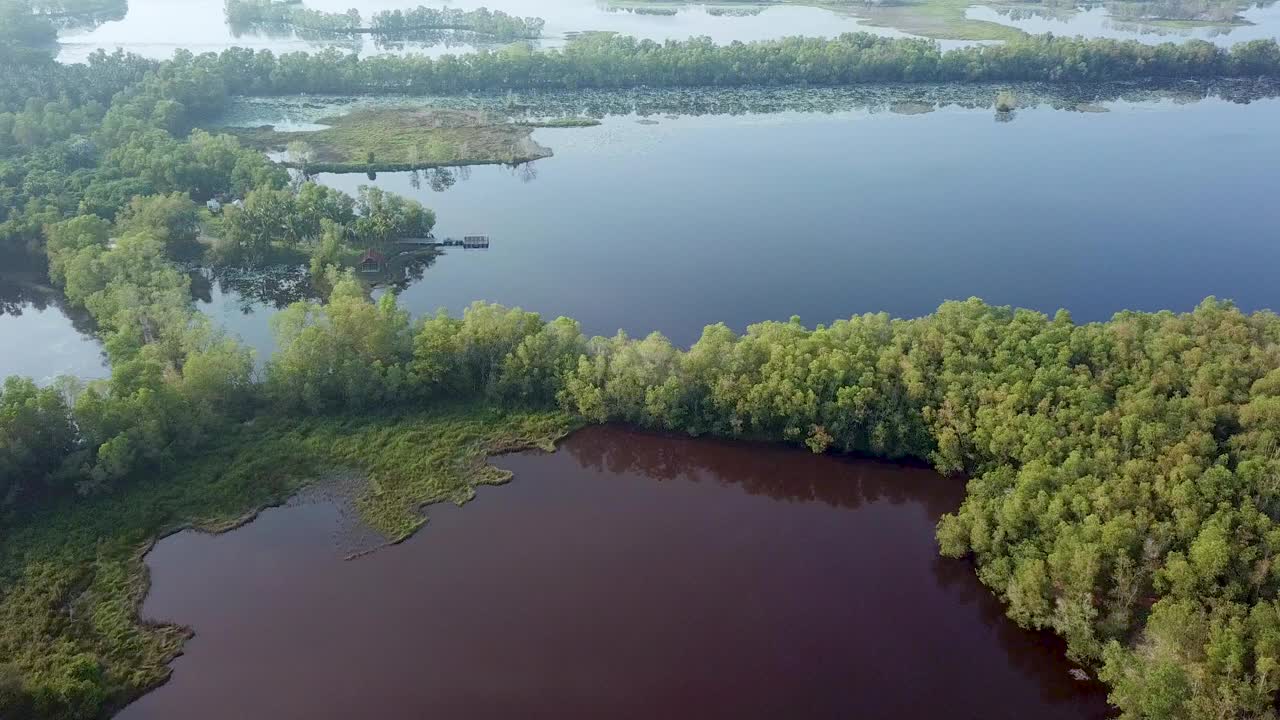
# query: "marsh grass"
938, 19
393, 139
72, 576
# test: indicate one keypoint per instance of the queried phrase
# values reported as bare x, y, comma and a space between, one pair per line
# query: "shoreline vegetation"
609, 61
73, 575
391, 24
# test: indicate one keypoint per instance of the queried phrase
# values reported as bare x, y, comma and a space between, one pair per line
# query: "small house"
213, 205
372, 262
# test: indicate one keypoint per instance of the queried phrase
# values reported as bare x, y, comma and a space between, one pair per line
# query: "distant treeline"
387, 23
25, 37
606, 61
80, 13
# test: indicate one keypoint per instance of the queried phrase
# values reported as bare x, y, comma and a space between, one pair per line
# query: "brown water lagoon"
627, 575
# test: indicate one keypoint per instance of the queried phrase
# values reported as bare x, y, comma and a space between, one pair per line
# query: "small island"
404, 138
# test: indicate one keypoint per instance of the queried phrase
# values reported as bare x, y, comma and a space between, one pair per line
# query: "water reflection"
455, 41
848, 483
304, 112
439, 179
279, 286
42, 336
273, 287
83, 18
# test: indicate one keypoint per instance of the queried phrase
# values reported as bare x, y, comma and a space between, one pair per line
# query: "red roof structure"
372, 261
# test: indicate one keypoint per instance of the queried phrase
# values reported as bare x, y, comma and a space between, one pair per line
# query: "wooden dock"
466, 242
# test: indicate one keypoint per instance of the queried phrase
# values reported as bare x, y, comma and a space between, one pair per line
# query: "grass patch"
416, 461
403, 139
938, 19
72, 576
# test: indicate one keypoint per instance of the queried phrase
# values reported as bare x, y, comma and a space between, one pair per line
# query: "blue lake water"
698, 220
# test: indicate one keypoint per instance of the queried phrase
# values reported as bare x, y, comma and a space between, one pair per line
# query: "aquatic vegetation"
72, 573
404, 139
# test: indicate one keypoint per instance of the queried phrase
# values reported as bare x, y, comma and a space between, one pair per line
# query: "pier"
466, 242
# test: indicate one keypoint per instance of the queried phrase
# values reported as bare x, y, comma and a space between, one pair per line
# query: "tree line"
610, 61
495, 24
175, 377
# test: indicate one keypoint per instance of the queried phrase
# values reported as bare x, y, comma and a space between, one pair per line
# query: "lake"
627, 575
700, 219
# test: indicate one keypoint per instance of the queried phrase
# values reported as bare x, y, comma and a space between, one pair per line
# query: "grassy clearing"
72, 577
404, 139
938, 19
416, 461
